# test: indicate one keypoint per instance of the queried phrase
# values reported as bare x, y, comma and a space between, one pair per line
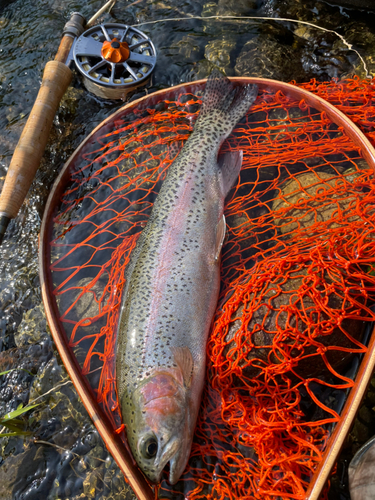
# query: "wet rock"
33, 327
65, 437
236, 7
276, 315
114, 485
10, 471
28, 357
361, 431
87, 297
365, 415
359, 35
324, 55
315, 54
325, 58
7, 296
315, 11
371, 398
218, 52
325, 207
355, 4
90, 485
62, 400
24, 363
189, 47
209, 9
61, 412
95, 456
265, 57
201, 69
305, 32
285, 305
70, 101
75, 461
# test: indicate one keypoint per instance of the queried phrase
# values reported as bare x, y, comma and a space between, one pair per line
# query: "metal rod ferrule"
75, 26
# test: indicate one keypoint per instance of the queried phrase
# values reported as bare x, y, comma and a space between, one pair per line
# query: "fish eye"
149, 446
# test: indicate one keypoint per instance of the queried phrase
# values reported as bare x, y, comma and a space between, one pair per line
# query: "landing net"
297, 279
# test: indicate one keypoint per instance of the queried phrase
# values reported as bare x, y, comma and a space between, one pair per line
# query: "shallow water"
187, 50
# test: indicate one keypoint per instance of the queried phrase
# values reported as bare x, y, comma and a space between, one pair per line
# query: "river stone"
273, 316
305, 32
188, 47
264, 57
12, 471
363, 39
250, 230
297, 9
209, 9
312, 183
114, 485
281, 299
355, 4
87, 305
202, 69
33, 327
236, 7
218, 52
24, 363
90, 484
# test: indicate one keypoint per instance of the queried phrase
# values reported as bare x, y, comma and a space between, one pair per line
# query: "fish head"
161, 429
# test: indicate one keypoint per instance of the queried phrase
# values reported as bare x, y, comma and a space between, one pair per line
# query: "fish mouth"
173, 453
165, 455
177, 466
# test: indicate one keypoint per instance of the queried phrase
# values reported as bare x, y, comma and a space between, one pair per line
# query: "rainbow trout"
172, 287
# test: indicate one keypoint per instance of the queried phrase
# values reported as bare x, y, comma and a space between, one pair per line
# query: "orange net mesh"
297, 279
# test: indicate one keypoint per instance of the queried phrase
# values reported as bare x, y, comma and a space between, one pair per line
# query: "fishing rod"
113, 60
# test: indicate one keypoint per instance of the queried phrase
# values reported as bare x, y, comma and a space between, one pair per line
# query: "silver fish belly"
172, 287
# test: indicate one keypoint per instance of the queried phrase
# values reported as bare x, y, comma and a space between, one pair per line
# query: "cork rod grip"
30, 148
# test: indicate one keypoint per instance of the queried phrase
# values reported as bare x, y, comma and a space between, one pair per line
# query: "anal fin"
229, 167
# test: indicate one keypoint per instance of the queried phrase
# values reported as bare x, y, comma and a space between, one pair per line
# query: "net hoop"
114, 444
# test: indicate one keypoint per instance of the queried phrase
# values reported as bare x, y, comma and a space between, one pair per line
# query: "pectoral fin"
184, 360
220, 236
229, 167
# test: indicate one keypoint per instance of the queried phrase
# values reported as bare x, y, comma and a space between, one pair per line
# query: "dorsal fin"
184, 360
220, 236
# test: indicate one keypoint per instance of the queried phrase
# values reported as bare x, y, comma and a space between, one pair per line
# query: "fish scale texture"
297, 280
173, 284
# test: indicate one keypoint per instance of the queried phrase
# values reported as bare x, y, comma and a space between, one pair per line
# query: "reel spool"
114, 59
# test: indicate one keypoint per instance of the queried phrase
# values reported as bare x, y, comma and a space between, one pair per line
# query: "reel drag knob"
114, 59
115, 51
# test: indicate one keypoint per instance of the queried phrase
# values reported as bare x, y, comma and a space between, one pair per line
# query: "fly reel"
114, 59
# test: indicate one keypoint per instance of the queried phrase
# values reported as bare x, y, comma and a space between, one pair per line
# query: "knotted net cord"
297, 279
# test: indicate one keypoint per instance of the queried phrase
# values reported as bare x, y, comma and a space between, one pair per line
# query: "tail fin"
220, 97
